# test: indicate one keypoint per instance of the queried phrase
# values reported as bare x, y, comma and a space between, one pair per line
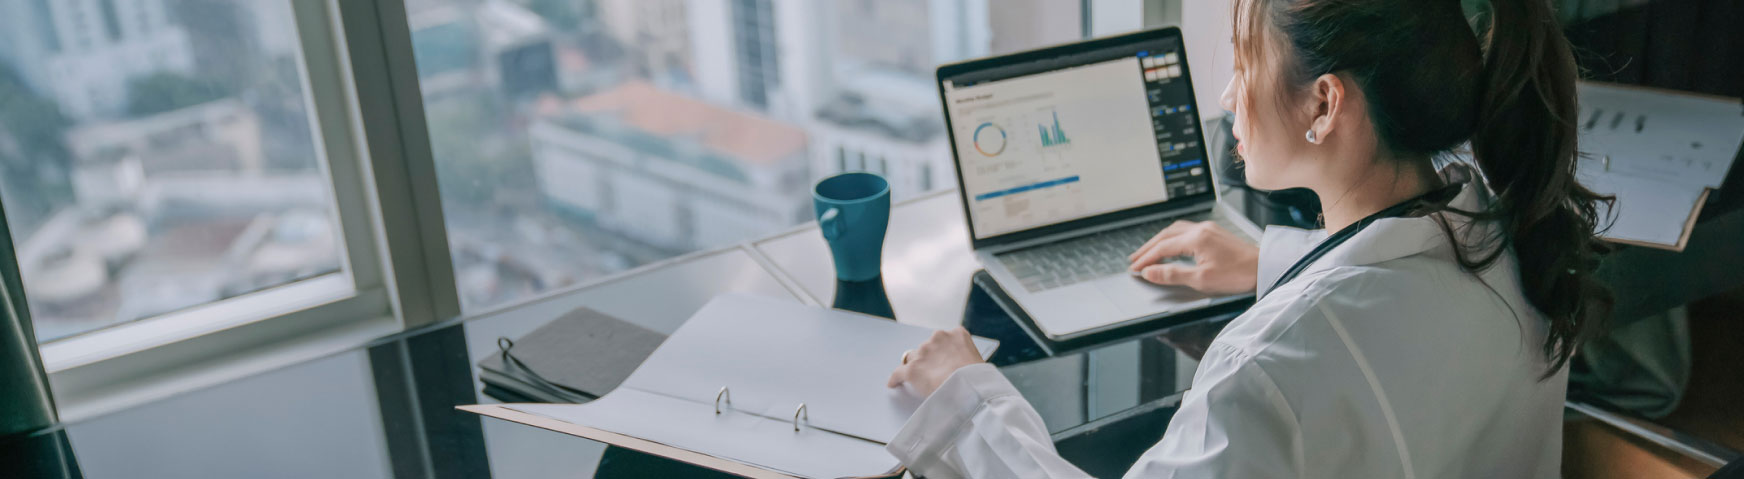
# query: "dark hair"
1431, 86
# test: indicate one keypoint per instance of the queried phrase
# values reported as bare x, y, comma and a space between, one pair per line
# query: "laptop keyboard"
1079, 259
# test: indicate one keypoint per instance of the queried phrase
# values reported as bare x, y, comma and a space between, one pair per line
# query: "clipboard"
758, 387
1662, 153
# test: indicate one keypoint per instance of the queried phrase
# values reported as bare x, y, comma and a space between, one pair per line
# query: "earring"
1311, 138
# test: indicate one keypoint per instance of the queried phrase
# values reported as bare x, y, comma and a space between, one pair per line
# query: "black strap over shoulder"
1405, 208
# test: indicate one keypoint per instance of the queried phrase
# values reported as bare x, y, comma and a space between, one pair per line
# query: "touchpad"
1136, 297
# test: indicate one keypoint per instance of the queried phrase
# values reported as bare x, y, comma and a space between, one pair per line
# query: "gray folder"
583, 350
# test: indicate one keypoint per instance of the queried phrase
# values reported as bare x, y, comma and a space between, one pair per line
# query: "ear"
1328, 97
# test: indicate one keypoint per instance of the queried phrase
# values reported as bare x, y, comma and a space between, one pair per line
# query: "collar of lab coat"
1384, 240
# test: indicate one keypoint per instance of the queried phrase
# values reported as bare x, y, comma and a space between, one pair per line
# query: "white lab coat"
1382, 359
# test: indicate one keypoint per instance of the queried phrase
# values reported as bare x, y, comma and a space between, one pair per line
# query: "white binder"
758, 387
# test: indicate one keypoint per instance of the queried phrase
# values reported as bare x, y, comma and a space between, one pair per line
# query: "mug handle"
831, 223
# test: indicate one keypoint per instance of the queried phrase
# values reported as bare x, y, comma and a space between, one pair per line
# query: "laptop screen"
1075, 135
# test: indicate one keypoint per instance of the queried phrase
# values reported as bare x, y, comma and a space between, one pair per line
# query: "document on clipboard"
1661, 153
758, 387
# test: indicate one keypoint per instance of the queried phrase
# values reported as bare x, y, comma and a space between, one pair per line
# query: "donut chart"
989, 139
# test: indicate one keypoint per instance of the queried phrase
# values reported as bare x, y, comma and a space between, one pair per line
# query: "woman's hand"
927, 367
1223, 262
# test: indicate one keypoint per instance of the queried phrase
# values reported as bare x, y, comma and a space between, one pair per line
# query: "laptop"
1069, 158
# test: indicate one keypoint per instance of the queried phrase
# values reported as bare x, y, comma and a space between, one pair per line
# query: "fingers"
1178, 245
1174, 274
915, 356
1173, 230
938, 348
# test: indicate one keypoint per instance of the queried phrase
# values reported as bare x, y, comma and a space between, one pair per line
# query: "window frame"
29, 403
397, 274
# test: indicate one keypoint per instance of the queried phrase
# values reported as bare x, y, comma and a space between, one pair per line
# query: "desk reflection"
865, 297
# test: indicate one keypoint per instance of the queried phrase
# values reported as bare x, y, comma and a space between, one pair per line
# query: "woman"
1427, 337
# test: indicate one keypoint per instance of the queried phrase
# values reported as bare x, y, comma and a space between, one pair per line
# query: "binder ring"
799, 413
722, 395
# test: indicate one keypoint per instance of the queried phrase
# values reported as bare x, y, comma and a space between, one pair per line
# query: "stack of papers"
1660, 153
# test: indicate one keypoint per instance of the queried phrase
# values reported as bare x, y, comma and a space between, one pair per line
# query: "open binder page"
763, 358
733, 435
774, 355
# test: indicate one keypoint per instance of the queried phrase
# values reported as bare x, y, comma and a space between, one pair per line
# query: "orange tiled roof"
744, 136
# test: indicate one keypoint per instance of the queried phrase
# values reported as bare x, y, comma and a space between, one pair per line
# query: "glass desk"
387, 408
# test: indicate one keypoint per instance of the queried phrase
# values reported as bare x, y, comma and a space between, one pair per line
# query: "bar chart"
1053, 135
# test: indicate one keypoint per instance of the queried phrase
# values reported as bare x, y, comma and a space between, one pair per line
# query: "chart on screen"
1056, 146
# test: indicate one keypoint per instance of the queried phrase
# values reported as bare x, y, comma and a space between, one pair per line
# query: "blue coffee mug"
853, 210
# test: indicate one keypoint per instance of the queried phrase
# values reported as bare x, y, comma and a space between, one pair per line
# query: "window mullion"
400, 167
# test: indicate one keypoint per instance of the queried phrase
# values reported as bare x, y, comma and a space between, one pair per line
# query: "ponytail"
1525, 145
1511, 94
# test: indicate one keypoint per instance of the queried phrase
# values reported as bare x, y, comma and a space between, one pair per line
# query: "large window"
193, 181
157, 156
574, 139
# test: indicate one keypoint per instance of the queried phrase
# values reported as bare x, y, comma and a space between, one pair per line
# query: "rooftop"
891, 103
741, 136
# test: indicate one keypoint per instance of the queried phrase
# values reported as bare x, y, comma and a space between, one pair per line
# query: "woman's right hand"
927, 367
1223, 262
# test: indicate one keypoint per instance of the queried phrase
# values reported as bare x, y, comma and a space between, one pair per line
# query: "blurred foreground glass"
575, 139
157, 155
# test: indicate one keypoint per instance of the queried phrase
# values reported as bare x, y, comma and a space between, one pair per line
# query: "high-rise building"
769, 56
856, 74
99, 46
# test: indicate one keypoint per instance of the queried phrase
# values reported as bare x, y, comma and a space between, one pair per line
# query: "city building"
174, 210
768, 56
885, 122
658, 32
222, 135
27, 39
883, 113
670, 171
856, 74
85, 53
491, 44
